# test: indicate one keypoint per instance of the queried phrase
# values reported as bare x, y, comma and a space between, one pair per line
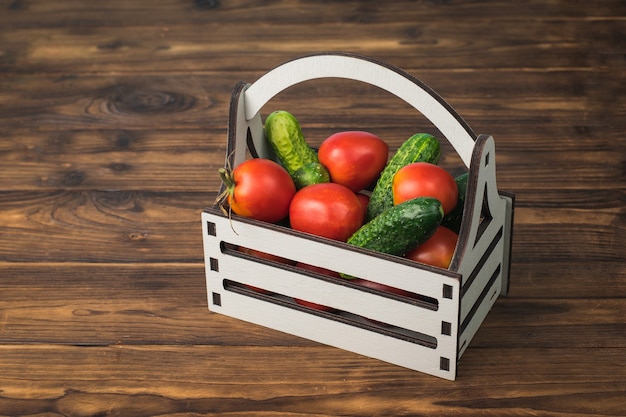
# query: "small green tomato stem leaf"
227, 178
229, 182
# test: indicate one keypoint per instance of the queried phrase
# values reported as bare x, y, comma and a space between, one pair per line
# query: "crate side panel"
322, 253
479, 315
361, 302
471, 294
344, 336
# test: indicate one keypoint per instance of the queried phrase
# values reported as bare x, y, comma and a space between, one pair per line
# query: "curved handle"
359, 68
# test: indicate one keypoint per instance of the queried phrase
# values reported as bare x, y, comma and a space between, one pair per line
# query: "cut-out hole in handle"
368, 70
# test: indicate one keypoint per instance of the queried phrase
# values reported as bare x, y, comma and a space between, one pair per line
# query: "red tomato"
437, 250
353, 158
322, 271
421, 179
329, 210
260, 189
364, 199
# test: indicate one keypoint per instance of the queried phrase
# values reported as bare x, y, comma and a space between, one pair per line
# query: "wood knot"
113, 45
207, 4
137, 236
119, 200
74, 178
127, 101
119, 167
17, 5
123, 139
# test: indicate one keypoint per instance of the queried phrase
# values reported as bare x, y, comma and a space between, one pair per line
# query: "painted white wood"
355, 68
287, 282
479, 316
291, 283
341, 335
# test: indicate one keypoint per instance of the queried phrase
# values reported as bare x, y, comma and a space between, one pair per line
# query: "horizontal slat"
122, 14
412, 43
252, 381
123, 226
147, 303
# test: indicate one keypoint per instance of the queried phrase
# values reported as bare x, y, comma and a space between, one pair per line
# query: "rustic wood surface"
112, 126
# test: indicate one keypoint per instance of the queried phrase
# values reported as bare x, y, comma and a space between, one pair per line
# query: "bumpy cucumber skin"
453, 219
400, 228
309, 174
283, 132
421, 147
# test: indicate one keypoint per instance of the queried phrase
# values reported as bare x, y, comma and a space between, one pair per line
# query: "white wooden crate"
428, 333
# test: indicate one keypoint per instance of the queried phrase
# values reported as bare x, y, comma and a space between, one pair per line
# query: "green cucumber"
420, 147
453, 219
400, 228
310, 173
284, 134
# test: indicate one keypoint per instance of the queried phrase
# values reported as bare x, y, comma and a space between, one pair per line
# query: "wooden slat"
150, 304
404, 32
124, 226
486, 99
106, 132
121, 13
104, 227
255, 381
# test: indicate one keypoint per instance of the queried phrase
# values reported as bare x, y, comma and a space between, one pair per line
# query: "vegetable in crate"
422, 179
364, 199
437, 250
400, 228
354, 158
309, 174
419, 147
284, 134
258, 188
329, 210
453, 219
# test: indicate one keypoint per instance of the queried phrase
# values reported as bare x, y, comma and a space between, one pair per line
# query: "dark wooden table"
112, 126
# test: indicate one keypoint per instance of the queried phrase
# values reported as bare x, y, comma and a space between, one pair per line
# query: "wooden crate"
428, 333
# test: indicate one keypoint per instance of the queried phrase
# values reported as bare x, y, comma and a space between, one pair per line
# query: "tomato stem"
229, 183
227, 178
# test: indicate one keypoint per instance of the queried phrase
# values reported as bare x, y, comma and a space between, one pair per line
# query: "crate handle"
371, 71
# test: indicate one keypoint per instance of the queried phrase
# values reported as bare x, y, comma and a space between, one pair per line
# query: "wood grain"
113, 123
165, 304
288, 381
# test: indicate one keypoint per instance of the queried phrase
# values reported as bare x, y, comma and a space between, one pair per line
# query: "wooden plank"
124, 226
112, 304
567, 277
187, 160
255, 381
182, 160
139, 303
417, 43
165, 12
487, 100
115, 132
103, 227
